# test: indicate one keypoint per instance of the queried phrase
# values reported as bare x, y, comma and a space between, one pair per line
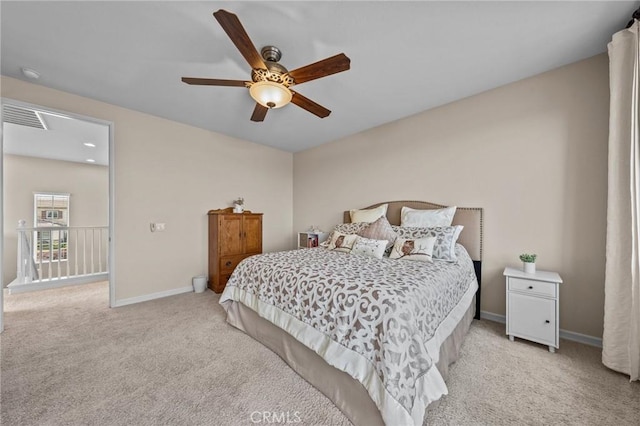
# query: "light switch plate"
157, 227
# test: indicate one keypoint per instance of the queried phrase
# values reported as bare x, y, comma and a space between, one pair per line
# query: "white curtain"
621, 338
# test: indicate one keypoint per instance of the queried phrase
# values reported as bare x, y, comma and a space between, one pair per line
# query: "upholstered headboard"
469, 217
470, 238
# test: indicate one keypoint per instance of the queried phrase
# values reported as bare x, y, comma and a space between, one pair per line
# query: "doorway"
63, 230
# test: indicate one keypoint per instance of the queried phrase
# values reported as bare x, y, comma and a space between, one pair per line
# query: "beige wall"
87, 184
89, 203
174, 173
533, 154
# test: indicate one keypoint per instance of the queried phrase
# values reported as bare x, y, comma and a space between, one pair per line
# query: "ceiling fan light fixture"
270, 94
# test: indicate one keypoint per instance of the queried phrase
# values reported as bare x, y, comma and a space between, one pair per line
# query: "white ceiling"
406, 57
63, 139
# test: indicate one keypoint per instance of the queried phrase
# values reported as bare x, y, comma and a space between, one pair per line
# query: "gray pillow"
350, 228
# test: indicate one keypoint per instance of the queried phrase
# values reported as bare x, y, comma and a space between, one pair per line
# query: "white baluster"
22, 262
59, 264
75, 249
99, 250
93, 243
84, 252
66, 250
40, 244
50, 253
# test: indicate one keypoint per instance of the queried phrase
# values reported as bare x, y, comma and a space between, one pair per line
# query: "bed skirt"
347, 393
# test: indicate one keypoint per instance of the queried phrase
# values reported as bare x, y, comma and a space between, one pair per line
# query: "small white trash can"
199, 283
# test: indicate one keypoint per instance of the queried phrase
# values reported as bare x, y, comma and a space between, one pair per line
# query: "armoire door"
252, 234
230, 228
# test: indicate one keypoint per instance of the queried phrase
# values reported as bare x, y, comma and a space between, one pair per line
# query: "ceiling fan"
270, 82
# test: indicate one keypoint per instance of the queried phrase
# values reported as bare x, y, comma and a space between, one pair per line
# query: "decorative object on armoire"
528, 263
621, 334
232, 238
238, 205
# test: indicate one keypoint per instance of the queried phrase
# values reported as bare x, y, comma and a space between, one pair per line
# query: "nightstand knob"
228, 263
547, 321
530, 287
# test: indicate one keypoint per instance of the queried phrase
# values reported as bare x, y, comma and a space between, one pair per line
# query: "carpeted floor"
69, 359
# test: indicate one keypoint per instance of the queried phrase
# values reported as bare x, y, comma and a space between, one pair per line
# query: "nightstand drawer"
532, 287
532, 318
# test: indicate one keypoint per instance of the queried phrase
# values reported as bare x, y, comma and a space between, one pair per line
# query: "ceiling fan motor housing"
271, 53
277, 74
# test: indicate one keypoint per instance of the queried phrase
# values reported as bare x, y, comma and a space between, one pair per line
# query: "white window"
53, 214
50, 211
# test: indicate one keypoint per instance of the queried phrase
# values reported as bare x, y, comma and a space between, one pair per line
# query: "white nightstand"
311, 239
533, 302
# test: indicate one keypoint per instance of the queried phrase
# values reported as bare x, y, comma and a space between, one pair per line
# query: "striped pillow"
379, 230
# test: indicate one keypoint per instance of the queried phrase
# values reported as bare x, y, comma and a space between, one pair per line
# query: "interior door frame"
111, 264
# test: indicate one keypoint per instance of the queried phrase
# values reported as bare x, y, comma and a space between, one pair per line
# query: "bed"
364, 331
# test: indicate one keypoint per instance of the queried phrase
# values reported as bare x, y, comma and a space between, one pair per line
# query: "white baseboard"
493, 317
15, 287
564, 334
152, 296
581, 338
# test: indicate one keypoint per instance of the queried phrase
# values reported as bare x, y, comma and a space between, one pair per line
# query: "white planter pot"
237, 208
529, 267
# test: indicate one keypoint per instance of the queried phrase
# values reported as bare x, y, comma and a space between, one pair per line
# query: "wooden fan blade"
234, 29
309, 105
259, 112
213, 82
323, 68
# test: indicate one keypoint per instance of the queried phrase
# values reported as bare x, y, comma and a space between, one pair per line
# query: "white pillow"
420, 249
342, 242
370, 215
426, 218
369, 247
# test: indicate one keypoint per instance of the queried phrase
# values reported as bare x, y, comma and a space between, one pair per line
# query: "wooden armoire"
232, 237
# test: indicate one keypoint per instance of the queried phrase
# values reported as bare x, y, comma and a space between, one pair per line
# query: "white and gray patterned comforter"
382, 311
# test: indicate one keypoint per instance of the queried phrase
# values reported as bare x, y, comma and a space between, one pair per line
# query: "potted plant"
529, 263
238, 205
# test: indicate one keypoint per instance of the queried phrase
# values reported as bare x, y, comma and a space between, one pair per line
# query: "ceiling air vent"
22, 117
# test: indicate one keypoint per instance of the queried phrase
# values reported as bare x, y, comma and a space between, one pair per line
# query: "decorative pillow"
426, 218
420, 249
379, 230
350, 228
344, 228
370, 215
446, 237
369, 247
342, 242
